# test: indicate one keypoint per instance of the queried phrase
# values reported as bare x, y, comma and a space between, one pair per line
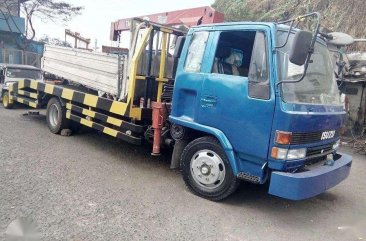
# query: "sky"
95, 20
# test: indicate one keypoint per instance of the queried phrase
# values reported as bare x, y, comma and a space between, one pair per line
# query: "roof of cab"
273, 25
18, 66
234, 23
269, 24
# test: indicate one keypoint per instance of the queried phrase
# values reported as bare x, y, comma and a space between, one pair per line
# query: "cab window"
258, 71
196, 50
244, 53
233, 53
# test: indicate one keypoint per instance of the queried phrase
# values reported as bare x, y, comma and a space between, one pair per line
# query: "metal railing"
16, 56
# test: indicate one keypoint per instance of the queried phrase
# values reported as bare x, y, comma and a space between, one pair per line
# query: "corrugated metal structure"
10, 20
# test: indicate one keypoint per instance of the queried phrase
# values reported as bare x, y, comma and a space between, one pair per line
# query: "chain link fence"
15, 56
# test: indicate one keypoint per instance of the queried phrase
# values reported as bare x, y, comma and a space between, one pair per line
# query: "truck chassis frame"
102, 114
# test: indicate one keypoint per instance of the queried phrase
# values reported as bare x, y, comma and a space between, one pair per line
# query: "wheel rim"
5, 100
53, 115
207, 169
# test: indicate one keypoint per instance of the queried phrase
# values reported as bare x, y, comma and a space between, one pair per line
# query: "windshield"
318, 86
23, 73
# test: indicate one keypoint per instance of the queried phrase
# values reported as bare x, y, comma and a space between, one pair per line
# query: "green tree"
338, 15
47, 10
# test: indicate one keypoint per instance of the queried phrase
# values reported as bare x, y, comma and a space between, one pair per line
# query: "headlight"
288, 154
296, 154
336, 145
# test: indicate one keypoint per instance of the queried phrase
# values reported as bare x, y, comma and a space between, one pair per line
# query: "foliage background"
348, 16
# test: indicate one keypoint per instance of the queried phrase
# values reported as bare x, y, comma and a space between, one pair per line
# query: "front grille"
298, 138
319, 150
314, 160
313, 155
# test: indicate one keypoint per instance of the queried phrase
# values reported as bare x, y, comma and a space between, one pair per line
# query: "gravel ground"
93, 187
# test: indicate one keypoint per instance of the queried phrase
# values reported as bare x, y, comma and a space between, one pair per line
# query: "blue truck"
247, 101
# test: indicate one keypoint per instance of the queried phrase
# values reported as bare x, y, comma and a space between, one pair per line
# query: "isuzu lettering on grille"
327, 135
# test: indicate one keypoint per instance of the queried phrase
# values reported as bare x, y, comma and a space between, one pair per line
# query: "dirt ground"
93, 187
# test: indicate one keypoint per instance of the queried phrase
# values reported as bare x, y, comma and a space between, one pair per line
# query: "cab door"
190, 75
241, 105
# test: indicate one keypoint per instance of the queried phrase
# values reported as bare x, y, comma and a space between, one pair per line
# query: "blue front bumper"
298, 186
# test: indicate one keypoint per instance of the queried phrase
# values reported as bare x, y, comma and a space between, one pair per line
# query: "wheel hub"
207, 169
53, 115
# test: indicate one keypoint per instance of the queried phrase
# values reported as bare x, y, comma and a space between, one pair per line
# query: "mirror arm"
306, 65
311, 48
288, 35
297, 20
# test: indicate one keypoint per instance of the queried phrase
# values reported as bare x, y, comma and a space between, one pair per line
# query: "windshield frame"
332, 91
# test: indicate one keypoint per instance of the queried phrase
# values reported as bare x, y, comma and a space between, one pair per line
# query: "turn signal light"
283, 137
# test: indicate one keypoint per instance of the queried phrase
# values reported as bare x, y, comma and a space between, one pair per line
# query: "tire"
5, 100
206, 169
56, 116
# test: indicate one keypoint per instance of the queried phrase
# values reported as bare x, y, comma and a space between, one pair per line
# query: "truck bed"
95, 70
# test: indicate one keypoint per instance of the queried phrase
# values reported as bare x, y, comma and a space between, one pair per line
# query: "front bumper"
319, 178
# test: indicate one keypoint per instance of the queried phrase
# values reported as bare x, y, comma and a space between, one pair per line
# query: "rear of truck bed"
105, 115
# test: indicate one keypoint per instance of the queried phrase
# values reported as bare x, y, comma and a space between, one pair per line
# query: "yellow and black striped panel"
105, 118
24, 101
116, 107
104, 129
28, 94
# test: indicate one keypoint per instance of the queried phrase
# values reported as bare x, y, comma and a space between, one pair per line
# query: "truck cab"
11, 73
249, 116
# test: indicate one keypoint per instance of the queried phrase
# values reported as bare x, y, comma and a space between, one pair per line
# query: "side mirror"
300, 47
179, 46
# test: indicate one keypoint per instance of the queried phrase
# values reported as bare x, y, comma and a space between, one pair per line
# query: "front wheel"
206, 169
6, 100
56, 116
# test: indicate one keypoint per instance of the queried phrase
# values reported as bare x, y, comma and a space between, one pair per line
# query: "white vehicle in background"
10, 73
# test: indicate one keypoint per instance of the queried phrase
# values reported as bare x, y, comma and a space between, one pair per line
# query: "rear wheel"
6, 100
206, 169
56, 116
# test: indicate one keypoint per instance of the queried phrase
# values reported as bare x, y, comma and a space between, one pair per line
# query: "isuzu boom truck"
248, 101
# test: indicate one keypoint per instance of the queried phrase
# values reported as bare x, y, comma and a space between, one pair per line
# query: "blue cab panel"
213, 102
244, 111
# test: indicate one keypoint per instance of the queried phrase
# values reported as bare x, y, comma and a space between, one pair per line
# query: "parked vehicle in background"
11, 73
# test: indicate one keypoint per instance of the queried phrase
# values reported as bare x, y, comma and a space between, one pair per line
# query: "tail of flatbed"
102, 114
